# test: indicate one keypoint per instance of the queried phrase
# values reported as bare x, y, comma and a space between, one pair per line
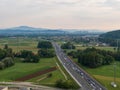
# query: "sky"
61, 14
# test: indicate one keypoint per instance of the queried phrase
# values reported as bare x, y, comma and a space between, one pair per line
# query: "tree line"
45, 49
43, 52
92, 57
7, 55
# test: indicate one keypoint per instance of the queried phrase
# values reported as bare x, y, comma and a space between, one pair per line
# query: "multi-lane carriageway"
83, 79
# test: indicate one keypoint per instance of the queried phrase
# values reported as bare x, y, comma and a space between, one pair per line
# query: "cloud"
100, 14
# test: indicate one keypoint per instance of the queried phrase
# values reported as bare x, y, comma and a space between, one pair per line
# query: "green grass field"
107, 48
18, 44
104, 74
56, 75
22, 69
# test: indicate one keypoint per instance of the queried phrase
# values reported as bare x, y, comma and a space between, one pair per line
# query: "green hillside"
111, 35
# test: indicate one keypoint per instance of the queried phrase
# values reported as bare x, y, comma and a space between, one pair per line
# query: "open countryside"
59, 44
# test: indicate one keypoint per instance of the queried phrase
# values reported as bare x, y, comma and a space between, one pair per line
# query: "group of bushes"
47, 53
44, 44
6, 57
6, 62
28, 56
66, 84
67, 45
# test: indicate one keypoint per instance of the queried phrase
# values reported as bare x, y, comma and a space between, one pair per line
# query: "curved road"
83, 79
27, 84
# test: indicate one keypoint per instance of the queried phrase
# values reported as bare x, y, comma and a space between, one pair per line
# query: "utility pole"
17, 43
117, 46
114, 73
114, 67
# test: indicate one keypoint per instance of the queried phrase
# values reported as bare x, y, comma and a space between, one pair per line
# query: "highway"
83, 79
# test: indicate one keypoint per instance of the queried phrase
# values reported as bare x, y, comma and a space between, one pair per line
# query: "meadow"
20, 43
22, 69
107, 48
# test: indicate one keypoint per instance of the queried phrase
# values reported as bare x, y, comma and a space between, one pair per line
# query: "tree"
67, 45
6, 46
49, 75
64, 84
28, 56
2, 65
46, 53
9, 52
35, 58
2, 54
25, 53
44, 44
91, 59
108, 60
8, 62
73, 54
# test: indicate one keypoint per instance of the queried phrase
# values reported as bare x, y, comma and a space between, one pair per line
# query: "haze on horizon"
66, 14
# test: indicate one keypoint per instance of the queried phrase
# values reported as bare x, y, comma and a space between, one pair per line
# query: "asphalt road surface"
83, 79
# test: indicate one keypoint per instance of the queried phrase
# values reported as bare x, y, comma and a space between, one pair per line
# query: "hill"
31, 31
111, 35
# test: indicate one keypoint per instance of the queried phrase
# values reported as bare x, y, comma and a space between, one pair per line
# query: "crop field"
18, 44
33, 75
107, 48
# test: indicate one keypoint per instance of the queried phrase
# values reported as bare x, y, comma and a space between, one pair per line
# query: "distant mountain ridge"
112, 34
25, 28
28, 31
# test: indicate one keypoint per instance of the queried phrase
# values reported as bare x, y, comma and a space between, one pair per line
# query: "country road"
27, 84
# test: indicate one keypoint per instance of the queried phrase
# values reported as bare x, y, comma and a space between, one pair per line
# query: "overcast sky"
68, 14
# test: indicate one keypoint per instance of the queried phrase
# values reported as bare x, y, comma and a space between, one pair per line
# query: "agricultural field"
21, 43
105, 74
107, 48
20, 69
56, 75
